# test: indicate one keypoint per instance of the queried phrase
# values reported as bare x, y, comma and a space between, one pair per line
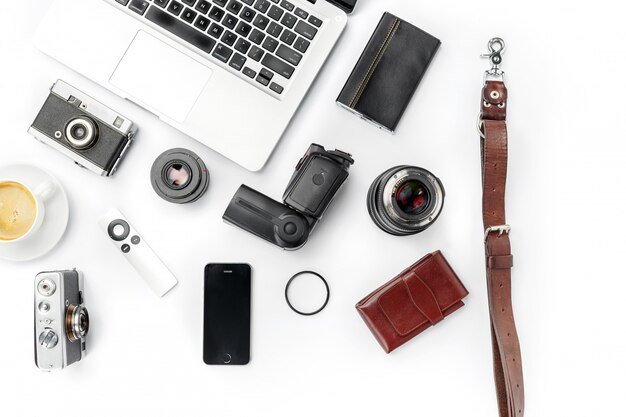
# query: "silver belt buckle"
501, 229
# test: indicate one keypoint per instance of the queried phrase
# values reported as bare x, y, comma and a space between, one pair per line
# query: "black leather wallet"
387, 74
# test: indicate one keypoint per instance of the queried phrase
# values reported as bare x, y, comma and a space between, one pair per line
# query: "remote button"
275, 13
289, 55
229, 38
203, 6
234, 6
301, 13
274, 29
287, 5
222, 52
305, 30
118, 230
175, 8
178, 28
288, 37
230, 21
249, 72
262, 5
125, 248
139, 6
135, 240
302, 45
160, 3
315, 21
216, 13
278, 65
270, 44
189, 15
216, 30
289, 20
242, 46
256, 53
243, 29
238, 61
279, 90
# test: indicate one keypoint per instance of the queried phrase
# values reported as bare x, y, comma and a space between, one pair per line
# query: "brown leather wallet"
419, 297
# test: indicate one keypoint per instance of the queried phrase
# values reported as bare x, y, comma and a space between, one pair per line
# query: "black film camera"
316, 180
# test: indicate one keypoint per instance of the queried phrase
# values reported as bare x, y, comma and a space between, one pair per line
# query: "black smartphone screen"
227, 295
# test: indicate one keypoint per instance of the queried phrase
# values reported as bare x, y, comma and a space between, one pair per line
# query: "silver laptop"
229, 73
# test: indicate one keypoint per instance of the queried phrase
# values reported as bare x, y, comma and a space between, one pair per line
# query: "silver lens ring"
76, 322
81, 132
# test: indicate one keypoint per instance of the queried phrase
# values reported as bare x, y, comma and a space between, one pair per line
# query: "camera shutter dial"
48, 339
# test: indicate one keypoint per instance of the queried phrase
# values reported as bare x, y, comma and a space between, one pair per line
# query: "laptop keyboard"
263, 40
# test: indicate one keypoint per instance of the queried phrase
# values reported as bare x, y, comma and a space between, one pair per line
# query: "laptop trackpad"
158, 76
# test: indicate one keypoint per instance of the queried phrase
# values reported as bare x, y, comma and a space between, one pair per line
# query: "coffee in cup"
18, 210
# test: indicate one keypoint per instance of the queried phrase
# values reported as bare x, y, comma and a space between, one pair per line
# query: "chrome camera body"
61, 319
93, 135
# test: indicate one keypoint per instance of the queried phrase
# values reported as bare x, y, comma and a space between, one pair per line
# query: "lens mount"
81, 132
405, 200
76, 322
179, 176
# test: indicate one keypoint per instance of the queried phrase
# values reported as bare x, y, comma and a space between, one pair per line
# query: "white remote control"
137, 252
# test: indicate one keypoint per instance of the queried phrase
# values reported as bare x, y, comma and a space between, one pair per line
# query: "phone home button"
227, 358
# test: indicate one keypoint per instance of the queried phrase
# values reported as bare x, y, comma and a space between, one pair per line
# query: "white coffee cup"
40, 194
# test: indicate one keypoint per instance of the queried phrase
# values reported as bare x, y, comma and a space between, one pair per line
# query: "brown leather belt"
507, 360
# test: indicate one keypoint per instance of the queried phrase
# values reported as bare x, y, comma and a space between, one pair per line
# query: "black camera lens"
405, 200
81, 132
179, 176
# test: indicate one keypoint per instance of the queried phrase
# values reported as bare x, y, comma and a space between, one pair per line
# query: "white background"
565, 202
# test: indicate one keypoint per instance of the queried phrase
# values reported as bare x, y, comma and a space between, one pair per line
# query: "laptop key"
262, 5
220, 2
216, 13
122, 2
242, 46
222, 52
261, 79
276, 88
139, 6
175, 8
248, 2
270, 44
288, 37
178, 28
203, 6
306, 30
247, 14
189, 15
234, 6
315, 21
202, 23
189, 2
289, 20
230, 21
274, 29
289, 55
243, 29
229, 38
238, 61
285, 4
216, 30
160, 3
257, 36
266, 73
249, 72
261, 21
256, 53
278, 65
301, 13
301, 45
275, 12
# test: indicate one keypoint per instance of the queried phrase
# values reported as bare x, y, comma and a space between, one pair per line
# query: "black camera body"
88, 132
315, 182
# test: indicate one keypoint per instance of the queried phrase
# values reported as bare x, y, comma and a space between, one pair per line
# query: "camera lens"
76, 322
405, 200
179, 176
81, 132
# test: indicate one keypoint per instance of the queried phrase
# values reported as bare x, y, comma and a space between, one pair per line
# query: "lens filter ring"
179, 176
81, 132
303, 313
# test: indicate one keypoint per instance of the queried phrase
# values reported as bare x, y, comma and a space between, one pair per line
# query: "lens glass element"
412, 197
177, 175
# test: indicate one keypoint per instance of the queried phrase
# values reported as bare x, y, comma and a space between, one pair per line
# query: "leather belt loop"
498, 259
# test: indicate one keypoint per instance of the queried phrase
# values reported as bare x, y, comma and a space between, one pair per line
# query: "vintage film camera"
90, 133
318, 177
61, 319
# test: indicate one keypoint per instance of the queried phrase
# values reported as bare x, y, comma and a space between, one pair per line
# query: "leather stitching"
375, 62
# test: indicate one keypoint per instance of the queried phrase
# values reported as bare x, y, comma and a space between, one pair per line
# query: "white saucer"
54, 222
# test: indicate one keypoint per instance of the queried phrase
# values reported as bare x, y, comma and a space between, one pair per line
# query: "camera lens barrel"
179, 176
81, 132
405, 200
76, 322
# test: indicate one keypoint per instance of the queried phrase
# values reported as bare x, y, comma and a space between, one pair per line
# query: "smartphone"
227, 297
